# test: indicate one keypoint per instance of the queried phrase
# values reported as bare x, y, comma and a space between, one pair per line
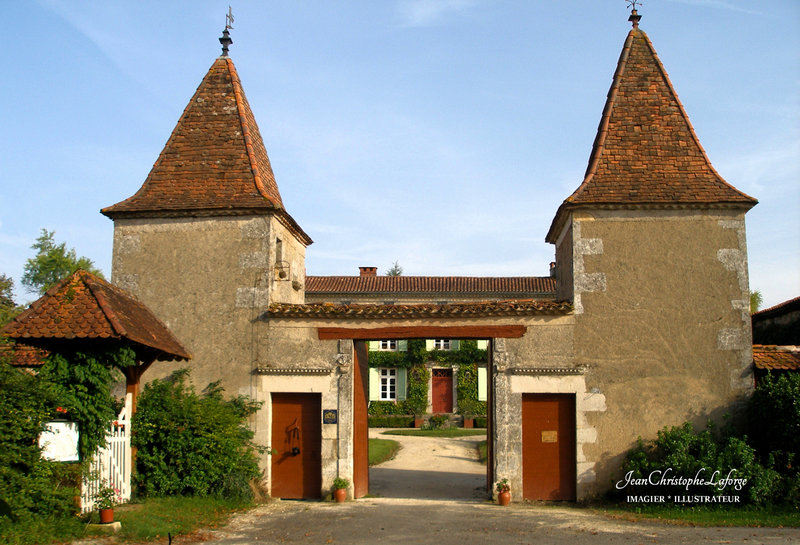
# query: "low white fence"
111, 465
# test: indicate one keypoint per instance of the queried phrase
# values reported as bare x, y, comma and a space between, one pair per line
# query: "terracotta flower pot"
504, 498
340, 495
107, 516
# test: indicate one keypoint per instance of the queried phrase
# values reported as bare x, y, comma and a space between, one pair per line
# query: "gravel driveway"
411, 511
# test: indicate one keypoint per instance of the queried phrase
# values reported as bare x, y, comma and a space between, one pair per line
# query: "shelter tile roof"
528, 307
430, 284
646, 151
83, 306
772, 357
214, 162
23, 355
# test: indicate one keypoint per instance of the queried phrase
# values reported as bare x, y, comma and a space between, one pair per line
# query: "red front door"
548, 446
442, 390
296, 444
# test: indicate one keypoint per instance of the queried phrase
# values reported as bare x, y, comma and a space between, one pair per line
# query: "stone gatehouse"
643, 322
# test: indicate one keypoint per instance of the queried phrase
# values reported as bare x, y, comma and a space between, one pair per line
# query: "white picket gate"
111, 464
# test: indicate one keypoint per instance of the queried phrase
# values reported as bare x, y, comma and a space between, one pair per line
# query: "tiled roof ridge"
515, 307
273, 195
580, 197
422, 283
779, 306
776, 348
98, 294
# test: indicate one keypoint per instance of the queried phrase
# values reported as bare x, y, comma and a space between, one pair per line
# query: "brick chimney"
368, 271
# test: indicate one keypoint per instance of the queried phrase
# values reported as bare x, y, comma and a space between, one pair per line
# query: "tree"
755, 301
52, 263
8, 308
395, 270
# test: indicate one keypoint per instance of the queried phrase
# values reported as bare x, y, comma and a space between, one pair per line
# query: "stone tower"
206, 242
651, 251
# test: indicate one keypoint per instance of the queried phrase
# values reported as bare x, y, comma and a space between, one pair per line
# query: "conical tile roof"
83, 306
646, 151
214, 162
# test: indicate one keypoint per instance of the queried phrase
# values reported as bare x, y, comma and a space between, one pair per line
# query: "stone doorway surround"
510, 382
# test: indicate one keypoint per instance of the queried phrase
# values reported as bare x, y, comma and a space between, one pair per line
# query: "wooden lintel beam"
424, 332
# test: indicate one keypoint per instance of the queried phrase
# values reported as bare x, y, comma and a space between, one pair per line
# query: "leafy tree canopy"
395, 270
52, 263
755, 301
8, 308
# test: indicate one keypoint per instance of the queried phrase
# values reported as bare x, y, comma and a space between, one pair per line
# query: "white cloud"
419, 13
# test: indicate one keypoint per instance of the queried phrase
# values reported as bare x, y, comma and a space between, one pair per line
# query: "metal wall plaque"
550, 436
330, 416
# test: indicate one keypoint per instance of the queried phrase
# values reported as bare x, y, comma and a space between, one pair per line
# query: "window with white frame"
388, 384
441, 344
388, 345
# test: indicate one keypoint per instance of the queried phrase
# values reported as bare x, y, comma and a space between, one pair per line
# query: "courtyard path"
430, 468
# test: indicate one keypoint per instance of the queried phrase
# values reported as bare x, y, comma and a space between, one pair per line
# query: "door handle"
295, 451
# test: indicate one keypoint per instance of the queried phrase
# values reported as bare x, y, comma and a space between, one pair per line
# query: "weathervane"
229, 18
226, 37
635, 17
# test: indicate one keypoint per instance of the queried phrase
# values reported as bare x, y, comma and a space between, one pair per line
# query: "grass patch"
448, 432
147, 520
43, 530
382, 450
702, 515
155, 517
483, 452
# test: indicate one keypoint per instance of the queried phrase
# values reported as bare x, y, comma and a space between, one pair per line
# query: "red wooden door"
548, 446
296, 443
442, 390
360, 422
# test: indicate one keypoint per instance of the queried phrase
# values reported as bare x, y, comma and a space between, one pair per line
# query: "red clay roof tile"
646, 151
544, 285
84, 306
214, 162
771, 357
426, 310
22, 355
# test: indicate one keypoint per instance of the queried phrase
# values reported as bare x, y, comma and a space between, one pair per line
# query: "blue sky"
442, 134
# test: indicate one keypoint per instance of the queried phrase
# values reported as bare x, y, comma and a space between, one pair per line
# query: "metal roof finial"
226, 40
635, 17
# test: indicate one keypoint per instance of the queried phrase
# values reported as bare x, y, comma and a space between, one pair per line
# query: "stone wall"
661, 323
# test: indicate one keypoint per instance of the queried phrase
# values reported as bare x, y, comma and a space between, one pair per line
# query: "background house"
444, 359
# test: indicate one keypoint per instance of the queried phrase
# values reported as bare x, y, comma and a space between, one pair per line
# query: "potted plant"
503, 492
106, 497
340, 485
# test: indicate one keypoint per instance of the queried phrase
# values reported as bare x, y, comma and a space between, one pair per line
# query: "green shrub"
394, 421
436, 422
383, 408
681, 452
480, 422
190, 444
30, 487
773, 416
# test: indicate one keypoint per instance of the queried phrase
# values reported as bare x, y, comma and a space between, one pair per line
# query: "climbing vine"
467, 391
81, 381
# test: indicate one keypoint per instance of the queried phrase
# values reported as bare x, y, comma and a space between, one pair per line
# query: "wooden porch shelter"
85, 310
